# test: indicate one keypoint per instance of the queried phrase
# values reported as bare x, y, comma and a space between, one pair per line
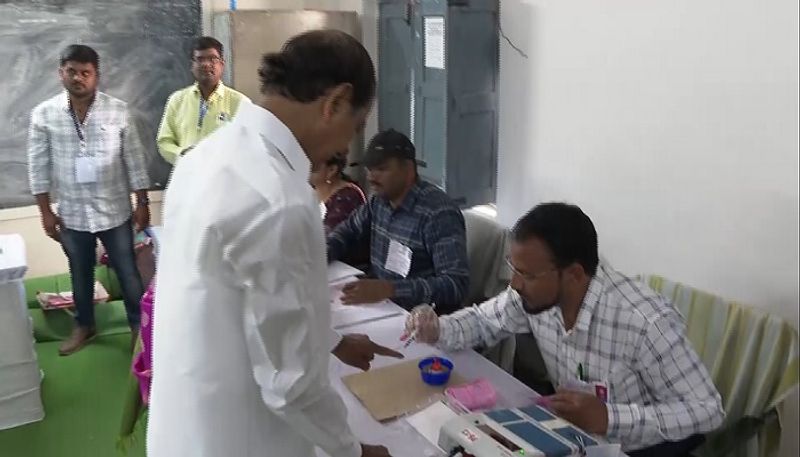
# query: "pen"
410, 339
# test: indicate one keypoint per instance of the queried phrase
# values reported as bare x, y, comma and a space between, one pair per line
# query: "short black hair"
566, 230
80, 53
207, 42
313, 62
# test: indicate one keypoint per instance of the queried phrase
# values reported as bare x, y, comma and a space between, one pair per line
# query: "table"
401, 439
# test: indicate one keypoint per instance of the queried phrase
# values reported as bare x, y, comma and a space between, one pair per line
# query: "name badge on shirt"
86, 170
398, 259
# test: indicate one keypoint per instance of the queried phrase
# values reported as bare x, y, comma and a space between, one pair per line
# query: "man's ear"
337, 100
409, 165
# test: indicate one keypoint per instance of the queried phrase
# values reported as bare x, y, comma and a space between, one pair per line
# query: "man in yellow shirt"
196, 111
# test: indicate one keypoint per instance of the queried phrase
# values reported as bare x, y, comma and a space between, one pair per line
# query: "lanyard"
202, 114
77, 125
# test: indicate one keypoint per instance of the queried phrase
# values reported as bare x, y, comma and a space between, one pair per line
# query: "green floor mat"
83, 397
56, 325
62, 283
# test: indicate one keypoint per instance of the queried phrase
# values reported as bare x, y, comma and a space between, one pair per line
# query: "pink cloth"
143, 362
477, 395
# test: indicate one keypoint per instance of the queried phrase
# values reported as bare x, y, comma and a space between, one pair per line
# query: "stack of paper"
347, 315
20, 378
343, 315
340, 273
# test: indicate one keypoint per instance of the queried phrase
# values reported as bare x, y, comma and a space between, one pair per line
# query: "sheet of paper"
430, 420
346, 315
337, 285
398, 259
434, 42
85, 170
340, 270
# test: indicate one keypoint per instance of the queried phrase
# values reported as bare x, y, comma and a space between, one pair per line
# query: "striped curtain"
752, 357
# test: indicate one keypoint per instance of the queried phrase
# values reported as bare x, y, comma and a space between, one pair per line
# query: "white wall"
674, 125
213, 6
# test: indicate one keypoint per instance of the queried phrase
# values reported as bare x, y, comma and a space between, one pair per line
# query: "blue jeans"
80, 250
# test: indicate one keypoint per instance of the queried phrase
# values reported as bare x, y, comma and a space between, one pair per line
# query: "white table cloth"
20, 378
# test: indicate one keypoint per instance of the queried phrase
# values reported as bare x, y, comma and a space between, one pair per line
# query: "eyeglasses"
528, 277
211, 59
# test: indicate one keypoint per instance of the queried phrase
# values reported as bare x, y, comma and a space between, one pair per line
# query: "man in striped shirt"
83, 152
600, 333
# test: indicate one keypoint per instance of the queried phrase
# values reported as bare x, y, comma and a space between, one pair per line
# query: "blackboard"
144, 48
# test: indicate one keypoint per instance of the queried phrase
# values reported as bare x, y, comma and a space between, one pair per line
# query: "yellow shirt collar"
219, 92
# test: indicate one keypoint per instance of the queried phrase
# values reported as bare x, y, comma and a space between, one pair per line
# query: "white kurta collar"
276, 133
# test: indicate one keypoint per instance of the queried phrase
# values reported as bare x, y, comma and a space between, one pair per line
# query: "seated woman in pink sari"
142, 362
340, 195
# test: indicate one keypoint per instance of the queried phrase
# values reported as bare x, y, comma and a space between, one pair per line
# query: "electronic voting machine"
530, 432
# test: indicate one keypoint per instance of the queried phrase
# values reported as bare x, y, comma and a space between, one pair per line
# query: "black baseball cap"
387, 145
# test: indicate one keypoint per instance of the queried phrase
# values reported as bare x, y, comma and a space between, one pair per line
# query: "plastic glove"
423, 325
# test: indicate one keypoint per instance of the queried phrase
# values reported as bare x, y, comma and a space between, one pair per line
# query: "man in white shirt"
242, 331
600, 334
84, 153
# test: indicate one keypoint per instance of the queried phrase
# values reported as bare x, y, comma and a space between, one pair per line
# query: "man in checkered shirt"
595, 328
83, 153
415, 231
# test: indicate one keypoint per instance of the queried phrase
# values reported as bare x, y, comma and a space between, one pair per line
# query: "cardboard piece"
396, 390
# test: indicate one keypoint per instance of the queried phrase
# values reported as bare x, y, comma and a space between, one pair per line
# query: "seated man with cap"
416, 233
